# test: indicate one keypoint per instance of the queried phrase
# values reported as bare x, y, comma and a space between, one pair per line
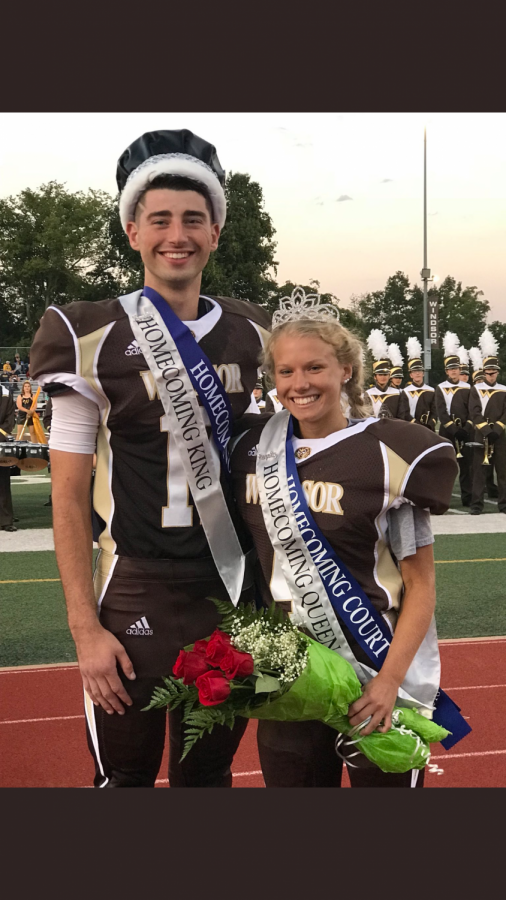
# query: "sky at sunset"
345, 191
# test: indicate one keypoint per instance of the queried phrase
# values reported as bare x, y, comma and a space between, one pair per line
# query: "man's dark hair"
179, 183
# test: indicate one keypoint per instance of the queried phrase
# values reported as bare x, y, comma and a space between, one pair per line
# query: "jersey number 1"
178, 513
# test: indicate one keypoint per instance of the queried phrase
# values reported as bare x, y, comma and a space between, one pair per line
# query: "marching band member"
272, 403
150, 372
464, 364
384, 399
477, 376
452, 402
487, 411
396, 372
418, 400
311, 481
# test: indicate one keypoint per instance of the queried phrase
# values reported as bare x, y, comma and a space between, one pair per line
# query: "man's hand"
98, 654
377, 700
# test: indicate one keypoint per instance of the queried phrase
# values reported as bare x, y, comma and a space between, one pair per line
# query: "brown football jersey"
351, 479
140, 489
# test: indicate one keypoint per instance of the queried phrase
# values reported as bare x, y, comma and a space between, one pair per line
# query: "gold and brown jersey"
385, 402
140, 489
351, 479
487, 408
418, 404
452, 403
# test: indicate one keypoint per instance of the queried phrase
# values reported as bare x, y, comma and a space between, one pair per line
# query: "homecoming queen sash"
325, 593
180, 368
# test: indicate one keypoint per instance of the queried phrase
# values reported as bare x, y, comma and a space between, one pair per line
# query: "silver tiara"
304, 306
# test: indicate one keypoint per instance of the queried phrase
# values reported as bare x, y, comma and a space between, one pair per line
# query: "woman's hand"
377, 700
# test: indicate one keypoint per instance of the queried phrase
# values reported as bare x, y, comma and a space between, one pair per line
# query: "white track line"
234, 775
47, 719
51, 667
463, 755
475, 687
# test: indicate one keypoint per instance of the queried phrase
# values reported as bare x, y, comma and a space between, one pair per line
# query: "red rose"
217, 646
214, 687
189, 666
236, 664
200, 647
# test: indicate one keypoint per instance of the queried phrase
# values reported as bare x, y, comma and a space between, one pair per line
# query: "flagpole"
425, 273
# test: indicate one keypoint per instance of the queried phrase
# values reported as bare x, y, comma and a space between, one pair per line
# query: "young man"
418, 400
452, 403
487, 411
138, 367
384, 399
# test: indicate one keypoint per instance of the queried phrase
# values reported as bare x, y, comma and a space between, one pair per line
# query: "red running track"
43, 744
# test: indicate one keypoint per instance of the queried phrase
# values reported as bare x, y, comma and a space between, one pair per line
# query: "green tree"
498, 329
50, 243
241, 265
397, 310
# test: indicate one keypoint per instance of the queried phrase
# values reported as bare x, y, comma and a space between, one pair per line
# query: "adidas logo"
140, 627
133, 349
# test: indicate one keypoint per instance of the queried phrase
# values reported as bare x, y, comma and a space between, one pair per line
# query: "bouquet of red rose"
259, 665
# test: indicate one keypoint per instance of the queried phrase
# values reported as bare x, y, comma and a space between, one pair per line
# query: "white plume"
488, 344
395, 355
464, 356
451, 344
476, 358
414, 348
377, 344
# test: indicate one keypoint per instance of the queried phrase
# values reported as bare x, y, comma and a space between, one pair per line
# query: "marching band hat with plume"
464, 360
395, 357
489, 348
169, 153
451, 350
414, 351
377, 344
477, 361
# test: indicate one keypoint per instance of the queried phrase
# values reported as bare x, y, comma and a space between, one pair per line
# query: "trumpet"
458, 444
424, 418
489, 452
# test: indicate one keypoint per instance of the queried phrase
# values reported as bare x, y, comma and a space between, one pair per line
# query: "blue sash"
202, 375
352, 605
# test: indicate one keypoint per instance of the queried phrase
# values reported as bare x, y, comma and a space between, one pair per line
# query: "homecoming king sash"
325, 593
180, 369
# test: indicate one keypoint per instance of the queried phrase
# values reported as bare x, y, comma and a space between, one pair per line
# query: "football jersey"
388, 398
140, 490
351, 479
418, 404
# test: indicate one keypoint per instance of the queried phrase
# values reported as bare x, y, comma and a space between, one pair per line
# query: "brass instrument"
489, 451
458, 444
424, 418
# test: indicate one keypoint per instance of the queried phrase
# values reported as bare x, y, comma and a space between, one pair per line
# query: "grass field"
470, 579
471, 598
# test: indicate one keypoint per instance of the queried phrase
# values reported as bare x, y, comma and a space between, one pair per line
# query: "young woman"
352, 473
23, 403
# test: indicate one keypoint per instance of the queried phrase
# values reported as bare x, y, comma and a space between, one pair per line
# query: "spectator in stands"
23, 403
7, 367
17, 365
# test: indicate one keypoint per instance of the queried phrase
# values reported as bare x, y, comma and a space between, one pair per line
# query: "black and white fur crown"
134, 176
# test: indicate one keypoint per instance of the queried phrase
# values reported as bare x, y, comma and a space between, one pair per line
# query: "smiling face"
174, 234
309, 381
